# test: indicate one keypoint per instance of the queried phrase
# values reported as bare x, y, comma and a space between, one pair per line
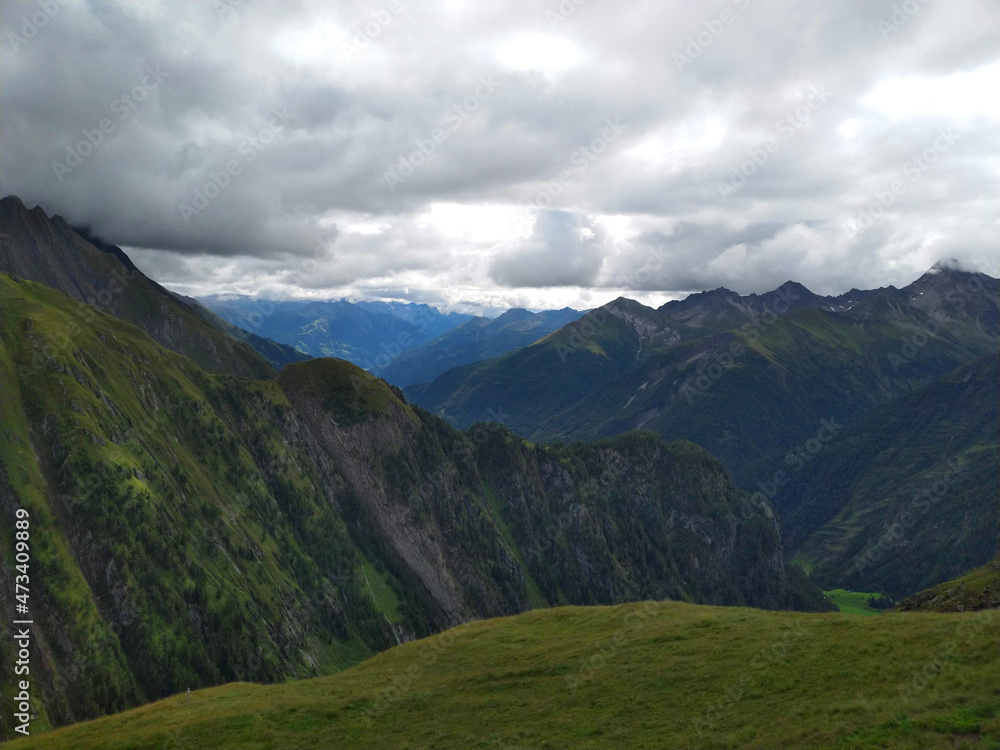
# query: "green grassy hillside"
645, 675
907, 497
180, 538
977, 590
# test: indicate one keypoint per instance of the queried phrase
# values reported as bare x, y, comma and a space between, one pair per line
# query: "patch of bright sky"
542, 52
479, 223
849, 128
320, 41
679, 147
960, 95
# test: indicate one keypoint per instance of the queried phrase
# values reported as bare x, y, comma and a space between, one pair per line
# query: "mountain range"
405, 343
197, 518
780, 387
473, 341
208, 505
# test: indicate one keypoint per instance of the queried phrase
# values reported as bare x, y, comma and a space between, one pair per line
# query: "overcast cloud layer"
512, 153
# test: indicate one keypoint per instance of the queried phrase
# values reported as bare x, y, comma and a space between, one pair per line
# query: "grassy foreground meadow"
644, 675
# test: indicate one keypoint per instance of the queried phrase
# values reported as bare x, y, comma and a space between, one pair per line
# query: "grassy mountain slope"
179, 539
191, 528
473, 341
639, 676
49, 251
977, 590
906, 497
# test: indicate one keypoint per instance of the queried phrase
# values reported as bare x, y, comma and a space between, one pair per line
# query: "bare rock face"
626, 519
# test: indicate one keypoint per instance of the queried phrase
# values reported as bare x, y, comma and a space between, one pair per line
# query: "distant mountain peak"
516, 313
795, 286
11, 200
624, 304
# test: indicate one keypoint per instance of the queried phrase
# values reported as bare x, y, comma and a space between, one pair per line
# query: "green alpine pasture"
644, 675
853, 602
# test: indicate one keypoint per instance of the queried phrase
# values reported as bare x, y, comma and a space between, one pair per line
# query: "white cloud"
541, 52
960, 95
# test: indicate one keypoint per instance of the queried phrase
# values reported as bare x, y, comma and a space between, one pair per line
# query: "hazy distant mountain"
368, 334
426, 317
49, 251
475, 340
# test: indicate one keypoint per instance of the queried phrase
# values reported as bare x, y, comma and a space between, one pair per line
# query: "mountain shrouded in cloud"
243, 147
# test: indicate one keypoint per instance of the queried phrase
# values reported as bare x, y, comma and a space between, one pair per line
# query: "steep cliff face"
491, 524
634, 517
191, 528
412, 483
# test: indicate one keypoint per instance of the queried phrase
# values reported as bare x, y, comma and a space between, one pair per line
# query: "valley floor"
646, 675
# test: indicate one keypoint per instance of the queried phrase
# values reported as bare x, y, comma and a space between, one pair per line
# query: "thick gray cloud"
564, 249
510, 153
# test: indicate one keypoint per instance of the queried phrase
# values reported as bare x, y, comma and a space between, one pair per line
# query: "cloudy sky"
486, 155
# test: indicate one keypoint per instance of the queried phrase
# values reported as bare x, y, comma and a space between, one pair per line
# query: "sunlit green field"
646, 675
853, 602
